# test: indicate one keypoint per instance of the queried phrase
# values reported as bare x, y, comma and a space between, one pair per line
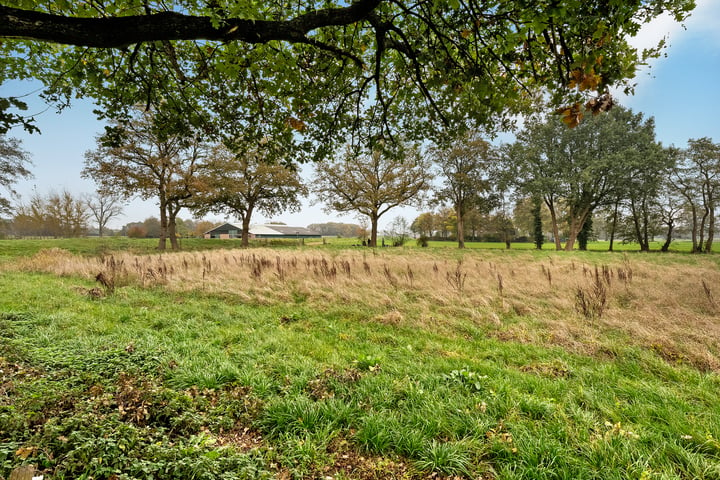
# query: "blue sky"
681, 91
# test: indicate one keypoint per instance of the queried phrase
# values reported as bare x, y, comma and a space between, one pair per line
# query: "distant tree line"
606, 177
338, 229
150, 228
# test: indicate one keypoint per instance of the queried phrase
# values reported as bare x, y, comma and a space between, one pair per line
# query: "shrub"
137, 231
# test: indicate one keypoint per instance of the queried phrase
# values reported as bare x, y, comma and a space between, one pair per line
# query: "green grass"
99, 246
152, 384
597, 246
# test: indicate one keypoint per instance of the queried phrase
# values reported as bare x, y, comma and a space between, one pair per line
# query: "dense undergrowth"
156, 382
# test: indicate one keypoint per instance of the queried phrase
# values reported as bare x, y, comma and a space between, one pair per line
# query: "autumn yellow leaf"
296, 124
25, 452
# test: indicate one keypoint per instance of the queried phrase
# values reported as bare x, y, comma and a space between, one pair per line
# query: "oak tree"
241, 184
465, 166
474, 62
13, 166
137, 158
372, 183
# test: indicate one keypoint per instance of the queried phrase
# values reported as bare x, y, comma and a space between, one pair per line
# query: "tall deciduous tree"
242, 184
13, 166
57, 214
373, 183
587, 167
649, 169
459, 62
137, 158
697, 179
465, 166
103, 208
424, 224
534, 176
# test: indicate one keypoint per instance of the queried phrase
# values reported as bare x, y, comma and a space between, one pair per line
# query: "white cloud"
702, 23
651, 33
699, 31
704, 20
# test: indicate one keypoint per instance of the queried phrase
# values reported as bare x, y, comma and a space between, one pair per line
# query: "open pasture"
359, 363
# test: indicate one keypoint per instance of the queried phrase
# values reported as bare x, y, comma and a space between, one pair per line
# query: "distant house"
234, 230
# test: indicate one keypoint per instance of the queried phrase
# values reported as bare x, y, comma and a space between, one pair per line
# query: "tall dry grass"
657, 305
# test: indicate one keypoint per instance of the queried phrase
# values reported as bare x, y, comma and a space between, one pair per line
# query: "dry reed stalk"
654, 297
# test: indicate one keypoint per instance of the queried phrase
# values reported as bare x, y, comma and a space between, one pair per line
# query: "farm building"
234, 230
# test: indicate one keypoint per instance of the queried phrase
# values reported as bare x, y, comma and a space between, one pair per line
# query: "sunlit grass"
204, 368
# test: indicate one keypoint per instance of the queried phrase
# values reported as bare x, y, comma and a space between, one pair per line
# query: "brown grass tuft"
652, 301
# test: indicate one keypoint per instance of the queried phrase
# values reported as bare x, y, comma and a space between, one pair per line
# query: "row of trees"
495, 226
609, 170
137, 158
612, 167
63, 214
150, 228
279, 81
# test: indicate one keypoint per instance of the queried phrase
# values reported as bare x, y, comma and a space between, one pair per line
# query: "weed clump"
457, 277
591, 301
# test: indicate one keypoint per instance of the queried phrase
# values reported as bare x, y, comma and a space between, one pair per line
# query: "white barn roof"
268, 230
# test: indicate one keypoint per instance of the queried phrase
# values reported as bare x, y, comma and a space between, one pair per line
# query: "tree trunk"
694, 232
576, 224
172, 233
668, 237
645, 247
637, 227
585, 231
539, 238
245, 237
575, 227
553, 220
373, 229
172, 227
701, 234
460, 227
711, 229
163, 224
614, 227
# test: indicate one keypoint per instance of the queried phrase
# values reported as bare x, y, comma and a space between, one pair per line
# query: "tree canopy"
372, 183
586, 167
310, 67
242, 184
13, 166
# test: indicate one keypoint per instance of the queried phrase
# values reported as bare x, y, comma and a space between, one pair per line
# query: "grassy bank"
402, 363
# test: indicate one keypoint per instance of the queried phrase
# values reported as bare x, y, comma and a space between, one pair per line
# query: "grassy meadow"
333, 362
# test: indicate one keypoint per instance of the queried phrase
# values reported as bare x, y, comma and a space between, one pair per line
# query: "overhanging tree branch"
114, 32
